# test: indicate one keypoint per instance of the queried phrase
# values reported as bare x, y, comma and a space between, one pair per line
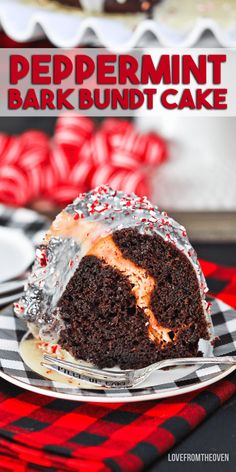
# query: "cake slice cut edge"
117, 283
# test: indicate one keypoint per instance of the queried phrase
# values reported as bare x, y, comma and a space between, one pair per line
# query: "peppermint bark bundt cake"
111, 6
117, 283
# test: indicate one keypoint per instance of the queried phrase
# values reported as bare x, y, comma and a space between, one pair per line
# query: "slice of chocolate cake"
117, 282
110, 6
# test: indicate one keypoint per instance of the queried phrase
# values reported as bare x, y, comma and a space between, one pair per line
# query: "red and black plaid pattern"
60, 435
41, 433
221, 281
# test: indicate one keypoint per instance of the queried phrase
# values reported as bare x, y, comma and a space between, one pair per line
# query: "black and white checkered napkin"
28, 221
33, 226
14, 369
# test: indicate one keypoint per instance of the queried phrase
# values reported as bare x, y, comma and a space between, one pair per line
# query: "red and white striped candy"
149, 148
82, 173
143, 189
136, 182
35, 182
121, 158
130, 182
116, 180
116, 126
59, 163
24, 173
135, 143
14, 181
155, 150
10, 148
48, 179
33, 138
77, 159
115, 130
9, 194
102, 175
33, 158
97, 149
34, 149
71, 132
4, 143
70, 128
121, 179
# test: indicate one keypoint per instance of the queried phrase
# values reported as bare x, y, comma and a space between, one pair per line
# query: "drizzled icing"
73, 234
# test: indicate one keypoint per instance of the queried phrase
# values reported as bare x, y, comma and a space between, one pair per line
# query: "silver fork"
118, 379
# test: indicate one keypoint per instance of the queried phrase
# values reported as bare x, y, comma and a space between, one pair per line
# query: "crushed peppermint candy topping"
78, 215
98, 207
19, 309
41, 255
71, 263
50, 348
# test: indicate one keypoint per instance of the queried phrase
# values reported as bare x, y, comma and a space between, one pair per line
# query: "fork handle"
225, 360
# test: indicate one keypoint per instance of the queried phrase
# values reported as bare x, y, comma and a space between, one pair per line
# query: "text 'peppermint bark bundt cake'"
117, 282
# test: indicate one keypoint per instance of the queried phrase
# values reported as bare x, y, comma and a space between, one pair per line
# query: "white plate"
176, 381
16, 253
24, 20
20, 230
33, 357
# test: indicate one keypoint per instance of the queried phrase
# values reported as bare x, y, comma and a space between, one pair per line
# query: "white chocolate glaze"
32, 352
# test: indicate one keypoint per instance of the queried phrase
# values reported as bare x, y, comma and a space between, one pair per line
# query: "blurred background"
186, 166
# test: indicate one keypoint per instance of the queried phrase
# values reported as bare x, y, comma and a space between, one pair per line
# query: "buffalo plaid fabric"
41, 433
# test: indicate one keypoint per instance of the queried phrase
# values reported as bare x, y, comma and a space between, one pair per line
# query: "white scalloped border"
23, 22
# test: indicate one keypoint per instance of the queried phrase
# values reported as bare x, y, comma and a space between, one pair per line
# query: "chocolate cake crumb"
104, 325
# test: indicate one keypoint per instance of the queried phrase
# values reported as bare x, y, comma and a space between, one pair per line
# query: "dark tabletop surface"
217, 433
